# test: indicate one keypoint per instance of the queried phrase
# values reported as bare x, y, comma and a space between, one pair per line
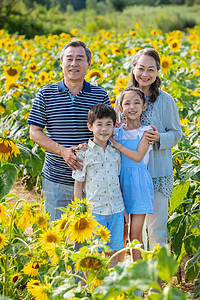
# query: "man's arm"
39, 137
78, 189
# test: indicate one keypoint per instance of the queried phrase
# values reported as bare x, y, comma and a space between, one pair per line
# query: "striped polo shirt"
65, 120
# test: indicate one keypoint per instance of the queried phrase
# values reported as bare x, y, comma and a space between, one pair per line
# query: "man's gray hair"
76, 44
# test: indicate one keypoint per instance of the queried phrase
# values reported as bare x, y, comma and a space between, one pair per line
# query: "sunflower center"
165, 64
82, 224
63, 225
0, 240
15, 278
174, 45
90, 263
12, 72
4, 148
35, 265
51, 239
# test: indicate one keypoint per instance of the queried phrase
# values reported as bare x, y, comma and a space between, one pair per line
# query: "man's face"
74, 64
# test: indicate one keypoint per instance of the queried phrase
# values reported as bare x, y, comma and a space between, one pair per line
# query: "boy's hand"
126, 218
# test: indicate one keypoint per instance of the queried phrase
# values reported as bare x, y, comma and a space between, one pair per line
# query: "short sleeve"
79, 175
37, 114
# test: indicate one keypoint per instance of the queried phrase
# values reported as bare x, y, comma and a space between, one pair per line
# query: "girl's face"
145, 71
132, 105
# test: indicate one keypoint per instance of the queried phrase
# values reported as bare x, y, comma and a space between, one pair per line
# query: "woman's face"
145, 71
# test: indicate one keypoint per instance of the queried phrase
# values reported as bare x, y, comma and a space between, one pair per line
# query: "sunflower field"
37, 258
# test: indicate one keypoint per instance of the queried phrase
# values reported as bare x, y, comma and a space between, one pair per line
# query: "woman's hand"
152, 136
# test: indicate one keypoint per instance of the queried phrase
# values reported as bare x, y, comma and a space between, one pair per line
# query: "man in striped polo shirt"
61, 108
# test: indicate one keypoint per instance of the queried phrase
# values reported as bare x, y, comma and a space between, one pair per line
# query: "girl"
163, 113
135, 180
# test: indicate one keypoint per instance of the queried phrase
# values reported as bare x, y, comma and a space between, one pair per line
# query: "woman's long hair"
156, 84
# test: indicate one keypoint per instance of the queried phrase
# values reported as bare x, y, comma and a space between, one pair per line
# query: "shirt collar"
62, 87
91, 144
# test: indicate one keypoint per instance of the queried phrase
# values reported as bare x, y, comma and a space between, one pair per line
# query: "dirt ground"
32, 196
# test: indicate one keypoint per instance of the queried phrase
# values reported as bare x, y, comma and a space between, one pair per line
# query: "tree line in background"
115, 4
40, 17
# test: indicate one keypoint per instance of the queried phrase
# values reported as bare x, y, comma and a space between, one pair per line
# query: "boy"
99, 177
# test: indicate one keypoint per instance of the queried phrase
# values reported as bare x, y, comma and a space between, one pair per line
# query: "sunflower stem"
116, 253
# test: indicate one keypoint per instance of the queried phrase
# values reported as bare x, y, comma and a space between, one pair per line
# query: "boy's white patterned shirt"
100, 174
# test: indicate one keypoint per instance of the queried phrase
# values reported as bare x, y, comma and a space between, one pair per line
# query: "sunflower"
15, 277
3, 240
82, 228
103, 233
133, 33
87, 260
62, 222
33, 67
8, 149
25, 55
117, 51
54, 253
2, 109
30, 76
166, 64
75, 31
31, 268
11, 72
198, 121
174, 44
31, 283
26, 217
103, 53
44, 77
95, 73
41, 219
50, 237
3, 214
184, 121
80, 206
121, 83
11, 84
178, 161
128, 52
154, 32
38, 290
136, 49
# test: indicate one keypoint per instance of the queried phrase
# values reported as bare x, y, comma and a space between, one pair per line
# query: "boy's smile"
102, 130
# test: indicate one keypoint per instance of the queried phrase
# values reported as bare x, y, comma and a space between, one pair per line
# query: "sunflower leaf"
8, 176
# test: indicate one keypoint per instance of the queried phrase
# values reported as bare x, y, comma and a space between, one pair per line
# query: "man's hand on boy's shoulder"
81, 147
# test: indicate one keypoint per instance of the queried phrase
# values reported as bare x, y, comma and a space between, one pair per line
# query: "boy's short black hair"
100, 111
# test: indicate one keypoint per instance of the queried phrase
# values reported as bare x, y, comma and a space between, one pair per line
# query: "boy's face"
102, 130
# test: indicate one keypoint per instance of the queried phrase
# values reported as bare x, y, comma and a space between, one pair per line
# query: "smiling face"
145, 72
102, 130
74, 64
132, 105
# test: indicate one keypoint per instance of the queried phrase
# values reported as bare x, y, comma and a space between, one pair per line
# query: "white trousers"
156, 223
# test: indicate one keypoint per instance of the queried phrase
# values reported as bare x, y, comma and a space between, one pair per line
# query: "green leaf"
172, 293
8, 175
179, 193
167, 265
178, 236
192, 272
196, 288
190, 263
195, 224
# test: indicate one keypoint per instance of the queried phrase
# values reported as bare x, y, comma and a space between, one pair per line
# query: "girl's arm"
137, 155
78, 189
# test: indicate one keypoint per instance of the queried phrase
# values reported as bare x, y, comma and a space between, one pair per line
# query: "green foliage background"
57, 16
